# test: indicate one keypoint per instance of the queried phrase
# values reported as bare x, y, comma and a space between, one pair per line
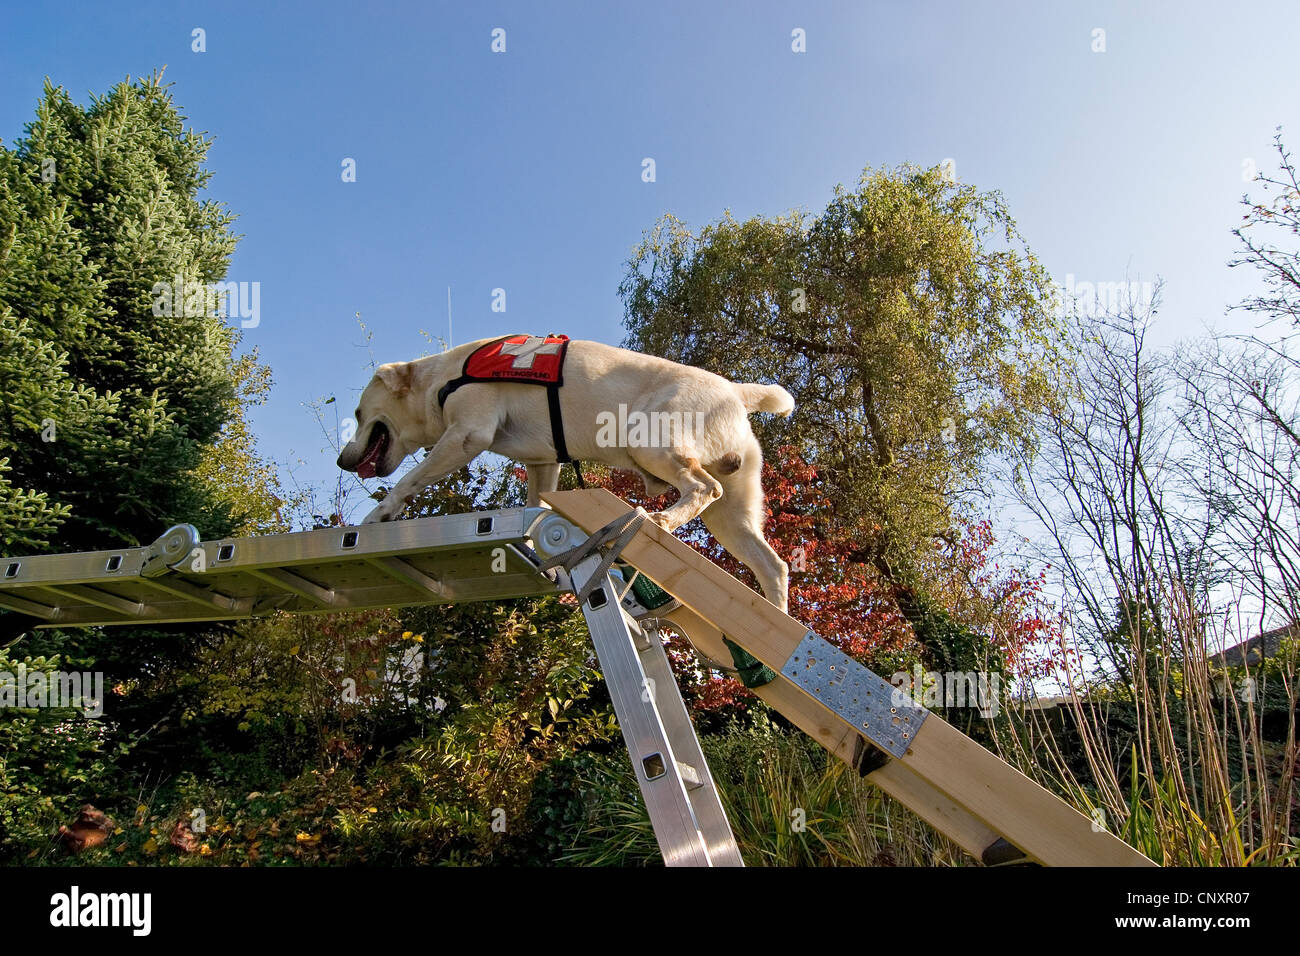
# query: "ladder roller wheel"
171, 550
177, 542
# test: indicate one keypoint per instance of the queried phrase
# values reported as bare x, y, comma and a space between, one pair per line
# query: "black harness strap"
465, 377
557, 432
557, 424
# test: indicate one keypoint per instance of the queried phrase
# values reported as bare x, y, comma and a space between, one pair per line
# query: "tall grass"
789, 803
1176, 763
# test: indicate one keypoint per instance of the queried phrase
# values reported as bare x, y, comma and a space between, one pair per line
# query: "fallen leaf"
183, 838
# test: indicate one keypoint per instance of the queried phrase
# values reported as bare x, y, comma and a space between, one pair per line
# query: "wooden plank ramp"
958, 787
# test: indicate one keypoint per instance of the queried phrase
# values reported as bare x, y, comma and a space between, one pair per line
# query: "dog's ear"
396, 375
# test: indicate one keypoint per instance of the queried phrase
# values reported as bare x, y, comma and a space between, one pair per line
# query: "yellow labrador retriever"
673, 424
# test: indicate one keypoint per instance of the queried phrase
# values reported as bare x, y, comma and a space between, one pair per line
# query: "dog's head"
389, 423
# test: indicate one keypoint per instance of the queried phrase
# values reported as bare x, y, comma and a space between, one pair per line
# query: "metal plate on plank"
882, 713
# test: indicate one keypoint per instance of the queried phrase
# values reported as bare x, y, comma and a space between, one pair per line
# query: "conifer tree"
111, 407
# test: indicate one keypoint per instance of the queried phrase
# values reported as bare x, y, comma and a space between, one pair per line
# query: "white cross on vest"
528, 349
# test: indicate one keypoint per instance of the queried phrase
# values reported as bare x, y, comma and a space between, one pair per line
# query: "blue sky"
522, 170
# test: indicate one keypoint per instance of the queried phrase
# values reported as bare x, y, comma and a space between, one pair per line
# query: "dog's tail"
765, 398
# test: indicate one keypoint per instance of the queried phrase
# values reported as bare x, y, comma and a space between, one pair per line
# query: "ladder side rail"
654, 761
705, 797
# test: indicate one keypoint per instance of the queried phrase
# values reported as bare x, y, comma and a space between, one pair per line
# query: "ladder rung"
98, 598
408, 574
296, 583
690, 776
24, 606
183, 589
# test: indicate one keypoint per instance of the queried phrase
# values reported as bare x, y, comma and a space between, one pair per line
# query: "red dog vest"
527, 360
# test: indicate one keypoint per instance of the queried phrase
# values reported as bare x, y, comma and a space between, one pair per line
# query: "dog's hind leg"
541, 478
736, 522
653, 486
698, 488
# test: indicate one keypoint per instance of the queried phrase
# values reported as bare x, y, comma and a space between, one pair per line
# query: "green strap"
647, 592
753, 672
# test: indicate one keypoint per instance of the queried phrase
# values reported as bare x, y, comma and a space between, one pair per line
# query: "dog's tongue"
368, 467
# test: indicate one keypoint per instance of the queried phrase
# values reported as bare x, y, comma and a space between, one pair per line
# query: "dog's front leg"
541, 479
458, 446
